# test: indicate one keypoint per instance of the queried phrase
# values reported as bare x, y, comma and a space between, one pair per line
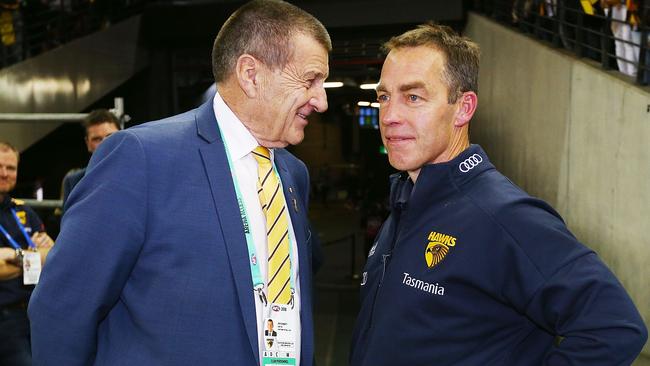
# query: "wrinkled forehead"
412, 67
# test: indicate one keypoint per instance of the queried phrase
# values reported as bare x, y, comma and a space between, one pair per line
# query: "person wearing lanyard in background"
187, 235
24, 248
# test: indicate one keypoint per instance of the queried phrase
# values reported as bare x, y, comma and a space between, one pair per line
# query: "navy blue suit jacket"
70, 181
151, 265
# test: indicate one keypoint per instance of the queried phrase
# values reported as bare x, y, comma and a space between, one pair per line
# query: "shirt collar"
239, 141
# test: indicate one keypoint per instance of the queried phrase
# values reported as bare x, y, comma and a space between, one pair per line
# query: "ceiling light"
363, 104
374, 105
332, 84
368, 86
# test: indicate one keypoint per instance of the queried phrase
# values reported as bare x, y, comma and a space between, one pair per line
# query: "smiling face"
289, 95
8, 170
416, 120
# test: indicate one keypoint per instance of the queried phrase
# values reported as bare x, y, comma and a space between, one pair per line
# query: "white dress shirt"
240, 143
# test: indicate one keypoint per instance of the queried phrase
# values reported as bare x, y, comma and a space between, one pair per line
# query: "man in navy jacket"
158, 250
98, 124
468, 269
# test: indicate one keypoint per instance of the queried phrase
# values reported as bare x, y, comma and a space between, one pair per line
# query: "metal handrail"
42, 117
567, 28
34, 203
117, 110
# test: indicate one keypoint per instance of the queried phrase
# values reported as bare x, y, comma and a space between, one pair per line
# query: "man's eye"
382, 98
413, 98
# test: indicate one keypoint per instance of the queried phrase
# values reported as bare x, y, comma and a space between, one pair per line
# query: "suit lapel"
217, 170
298, 219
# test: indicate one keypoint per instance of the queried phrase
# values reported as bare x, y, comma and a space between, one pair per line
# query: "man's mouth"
397, 139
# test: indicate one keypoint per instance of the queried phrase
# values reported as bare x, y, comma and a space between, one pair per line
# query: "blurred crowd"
612, 32
30, 27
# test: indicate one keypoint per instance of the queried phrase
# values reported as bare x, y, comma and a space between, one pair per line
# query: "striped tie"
277, 228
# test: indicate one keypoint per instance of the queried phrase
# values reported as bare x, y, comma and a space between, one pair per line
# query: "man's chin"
399, 163
283, 141
296, 139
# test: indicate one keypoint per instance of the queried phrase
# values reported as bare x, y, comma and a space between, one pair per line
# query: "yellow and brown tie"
277, 228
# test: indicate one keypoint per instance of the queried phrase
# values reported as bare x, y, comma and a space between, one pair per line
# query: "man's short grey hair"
263, 29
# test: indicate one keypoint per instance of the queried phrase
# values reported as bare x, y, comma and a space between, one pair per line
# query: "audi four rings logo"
469, 163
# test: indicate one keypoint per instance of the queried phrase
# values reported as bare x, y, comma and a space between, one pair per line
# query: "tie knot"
262, 155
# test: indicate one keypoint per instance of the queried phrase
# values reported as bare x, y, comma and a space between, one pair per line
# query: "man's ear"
247, 73
468, 103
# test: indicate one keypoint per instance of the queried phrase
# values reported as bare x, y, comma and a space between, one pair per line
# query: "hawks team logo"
438, 248
22, 216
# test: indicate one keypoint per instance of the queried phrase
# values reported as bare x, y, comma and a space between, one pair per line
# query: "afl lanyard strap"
253, 261
11, 240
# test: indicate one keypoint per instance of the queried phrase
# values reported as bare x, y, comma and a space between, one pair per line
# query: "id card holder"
280, 335
31, 267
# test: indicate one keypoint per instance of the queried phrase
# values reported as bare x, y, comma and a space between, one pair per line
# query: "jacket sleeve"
591, 313
101, 236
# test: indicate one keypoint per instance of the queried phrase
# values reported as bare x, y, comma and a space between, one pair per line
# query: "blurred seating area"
614, 33
31, 27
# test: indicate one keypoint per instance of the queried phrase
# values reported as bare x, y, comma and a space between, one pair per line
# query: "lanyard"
11, 240
258, 282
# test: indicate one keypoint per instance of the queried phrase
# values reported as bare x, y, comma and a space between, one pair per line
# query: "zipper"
385, 259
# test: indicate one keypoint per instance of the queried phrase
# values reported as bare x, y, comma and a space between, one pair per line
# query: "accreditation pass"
31, 267
279, 335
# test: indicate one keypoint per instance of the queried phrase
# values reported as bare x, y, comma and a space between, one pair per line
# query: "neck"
244, 109
458, 142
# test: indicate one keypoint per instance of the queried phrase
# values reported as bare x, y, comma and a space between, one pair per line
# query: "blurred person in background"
25, 245
99, 124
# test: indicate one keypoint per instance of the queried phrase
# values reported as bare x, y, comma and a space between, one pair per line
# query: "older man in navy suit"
187, 234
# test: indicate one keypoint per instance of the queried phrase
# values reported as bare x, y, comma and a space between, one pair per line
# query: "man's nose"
319, 100
388, 113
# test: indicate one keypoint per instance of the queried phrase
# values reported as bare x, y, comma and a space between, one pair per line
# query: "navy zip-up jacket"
470, 270
13, 291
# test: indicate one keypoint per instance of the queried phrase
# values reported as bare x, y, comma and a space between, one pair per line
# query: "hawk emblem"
435, 253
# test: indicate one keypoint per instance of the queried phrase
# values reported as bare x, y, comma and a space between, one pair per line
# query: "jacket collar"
206, 123
441, 179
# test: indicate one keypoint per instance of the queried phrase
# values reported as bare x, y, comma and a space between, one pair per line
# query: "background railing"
31, 27
615, 33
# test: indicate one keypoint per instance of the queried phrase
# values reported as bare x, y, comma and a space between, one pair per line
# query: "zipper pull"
385, 258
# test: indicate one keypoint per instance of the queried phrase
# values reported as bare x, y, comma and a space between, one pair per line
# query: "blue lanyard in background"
11, 240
